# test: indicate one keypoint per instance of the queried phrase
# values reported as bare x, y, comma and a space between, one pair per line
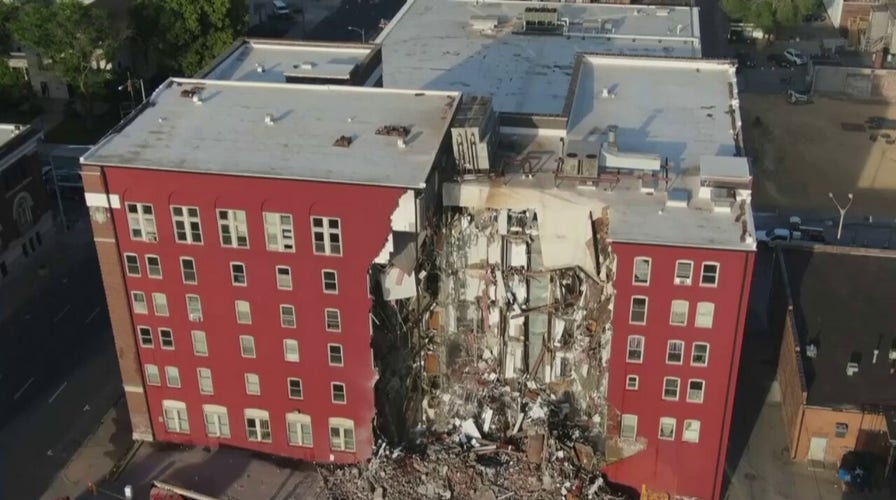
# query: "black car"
778, 60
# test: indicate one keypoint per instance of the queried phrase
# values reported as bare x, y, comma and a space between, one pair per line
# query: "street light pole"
842, 212
58, 197
361, 31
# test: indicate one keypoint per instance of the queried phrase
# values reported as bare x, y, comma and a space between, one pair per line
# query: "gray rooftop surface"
433, 44
8, 131
280, 58
227, 133
679, 109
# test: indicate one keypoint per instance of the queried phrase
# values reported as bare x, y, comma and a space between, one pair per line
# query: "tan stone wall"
119, 306
867, 432
791, 381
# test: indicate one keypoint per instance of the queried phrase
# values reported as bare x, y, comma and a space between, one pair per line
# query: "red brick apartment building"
235, 224
25, 217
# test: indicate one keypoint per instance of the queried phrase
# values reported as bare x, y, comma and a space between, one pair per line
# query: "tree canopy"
188, 34
769, 14
74, 39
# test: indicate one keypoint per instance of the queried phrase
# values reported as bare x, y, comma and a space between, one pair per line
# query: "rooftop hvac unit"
473, 135
852, 368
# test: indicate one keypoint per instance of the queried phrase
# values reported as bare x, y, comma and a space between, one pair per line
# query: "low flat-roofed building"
837, 363
521, 57
26, 221
297, 61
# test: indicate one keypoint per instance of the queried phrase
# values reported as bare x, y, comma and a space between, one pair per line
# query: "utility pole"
842, 212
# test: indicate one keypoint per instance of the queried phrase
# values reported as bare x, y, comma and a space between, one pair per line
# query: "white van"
280, 8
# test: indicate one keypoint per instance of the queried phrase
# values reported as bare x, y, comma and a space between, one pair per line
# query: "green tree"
769, 14
7, 14
186, 35
73, 39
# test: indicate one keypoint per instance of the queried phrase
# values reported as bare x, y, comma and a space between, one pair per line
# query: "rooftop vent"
678, 197
259, 68
401, 143
812, 351
269, 118
852, 368
16, 129
343, 141
191, 93
305, 65
394, 131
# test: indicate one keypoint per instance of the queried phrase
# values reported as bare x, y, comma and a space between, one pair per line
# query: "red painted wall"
676, 466
365, 217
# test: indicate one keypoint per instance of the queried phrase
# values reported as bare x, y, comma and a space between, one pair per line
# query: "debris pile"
462, 467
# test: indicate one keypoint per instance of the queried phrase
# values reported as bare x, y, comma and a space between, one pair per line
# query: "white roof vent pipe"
197, 97
269, 118
259, 68
605, 92
401, 143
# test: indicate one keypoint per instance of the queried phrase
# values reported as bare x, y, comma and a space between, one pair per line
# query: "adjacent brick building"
25, 217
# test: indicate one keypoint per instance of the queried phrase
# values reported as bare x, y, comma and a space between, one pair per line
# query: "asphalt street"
58, 375
713, 29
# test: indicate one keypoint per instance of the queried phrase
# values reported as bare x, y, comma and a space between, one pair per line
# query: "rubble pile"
460, 467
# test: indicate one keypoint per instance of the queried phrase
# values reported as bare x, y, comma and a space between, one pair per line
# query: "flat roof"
227, 133
478, 47
679, 109
8, 131
16, 140
844, 306
635, 216
271, 61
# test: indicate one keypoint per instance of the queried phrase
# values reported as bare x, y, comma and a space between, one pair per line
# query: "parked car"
744, 60
796, 57
280, 8
738, 36
778, 60
815, 17
773, 236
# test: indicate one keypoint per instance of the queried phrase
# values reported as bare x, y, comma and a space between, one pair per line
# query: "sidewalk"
99, 453
61, 251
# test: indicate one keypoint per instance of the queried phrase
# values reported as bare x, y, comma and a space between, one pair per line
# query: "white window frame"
170, 336
141, 339
160, 304
631, 312
670, 352
699, 394
200, 343
683, 280
338, 352
694, 362
679, 308
219, 424
247, 320
287, 316
184, 271
142, 222
289, 358
138, 303
339, 440
629, 349
666, 381
132, 259
175, 417
153, 376
668, 421
205, 375
244, 351
631, 421
289, 382
191, 235
286, 283
690, 431
278, 234
333, 392
320, 228
635, 280
194, 307
324, 281
149, 267
237, 226
298, 430
705, 315
631, 382
262, 423
332, 316
251, 379
715, 274
237, 270
172, 373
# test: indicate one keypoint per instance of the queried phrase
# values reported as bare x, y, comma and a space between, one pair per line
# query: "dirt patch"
800, 153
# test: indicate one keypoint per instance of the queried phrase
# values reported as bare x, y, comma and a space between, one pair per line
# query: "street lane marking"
94, 313
57, 392
23, 388
62, 313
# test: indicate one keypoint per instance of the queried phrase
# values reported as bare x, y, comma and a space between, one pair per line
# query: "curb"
122, 464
